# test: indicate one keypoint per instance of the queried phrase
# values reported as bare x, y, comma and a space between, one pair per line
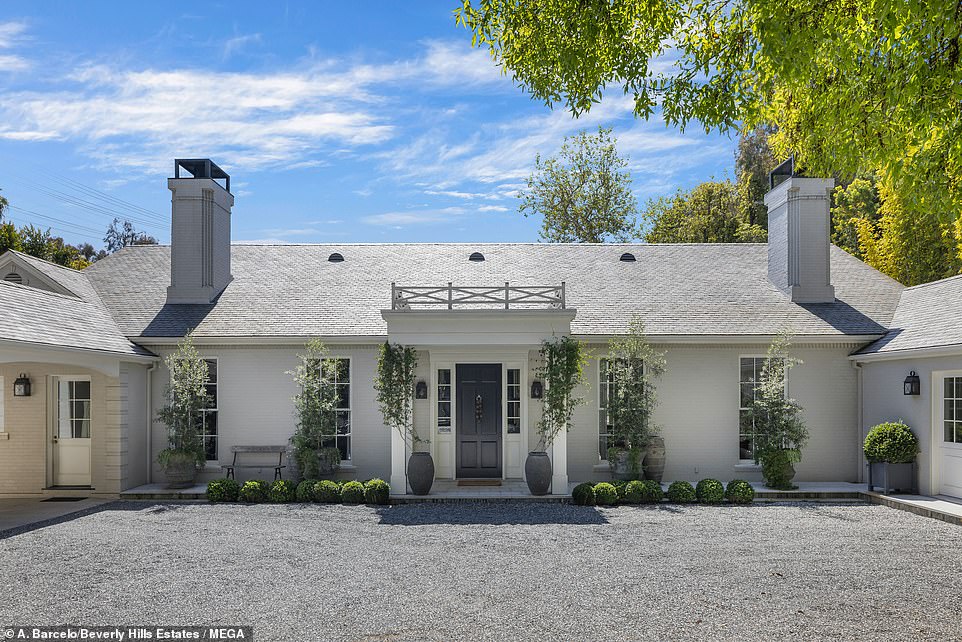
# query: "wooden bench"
253, 451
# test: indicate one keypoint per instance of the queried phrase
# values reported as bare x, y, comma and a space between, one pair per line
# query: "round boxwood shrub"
326, 492
681, 492
651, 492
621, 487
282, 491
605, 494
377, 491
305, 490
892, 442
255, 491
222, 490
634, 492
739, 491
352, 493
584, 494
710, 491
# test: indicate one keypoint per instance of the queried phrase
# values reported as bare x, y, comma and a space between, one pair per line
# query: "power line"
69, 182
78, 228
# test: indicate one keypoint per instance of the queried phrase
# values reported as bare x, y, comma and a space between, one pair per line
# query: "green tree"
186, 396
754, 161
856, 207
315, 406
846, 85
709, 213
9, 238
584, 193
120, 234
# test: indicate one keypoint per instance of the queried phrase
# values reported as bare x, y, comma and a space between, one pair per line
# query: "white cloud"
12, 34
421, 217
492, 208
237, 43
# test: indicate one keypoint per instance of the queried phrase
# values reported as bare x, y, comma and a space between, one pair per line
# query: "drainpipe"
859, 466
150, 421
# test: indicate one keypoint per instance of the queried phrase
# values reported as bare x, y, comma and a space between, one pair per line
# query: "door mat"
479, 482
64, 499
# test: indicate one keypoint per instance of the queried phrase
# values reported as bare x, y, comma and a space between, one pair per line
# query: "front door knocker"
478, 409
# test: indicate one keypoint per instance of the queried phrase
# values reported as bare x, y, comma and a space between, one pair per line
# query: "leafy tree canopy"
847, 84
584, 193
710, 213
120, 234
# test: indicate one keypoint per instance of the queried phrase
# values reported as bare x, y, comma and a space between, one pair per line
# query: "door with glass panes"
71, 431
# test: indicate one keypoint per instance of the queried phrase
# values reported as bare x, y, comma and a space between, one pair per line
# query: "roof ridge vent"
627, 257
476, 256
336, 257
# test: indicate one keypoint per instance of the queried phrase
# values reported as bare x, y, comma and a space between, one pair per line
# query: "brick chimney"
199, 232
799, 235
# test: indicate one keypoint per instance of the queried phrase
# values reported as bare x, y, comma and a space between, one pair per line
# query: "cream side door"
948, 435
71, 439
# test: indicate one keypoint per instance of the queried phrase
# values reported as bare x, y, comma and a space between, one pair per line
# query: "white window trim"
350, 406
57, 379
603, 460
216, 408
748, 463
3, 393
954, 445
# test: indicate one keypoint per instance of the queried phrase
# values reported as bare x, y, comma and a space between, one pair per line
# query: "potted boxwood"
780, 432
394, 383
632, 366
562, 368
890, 449
186, 397
315, 407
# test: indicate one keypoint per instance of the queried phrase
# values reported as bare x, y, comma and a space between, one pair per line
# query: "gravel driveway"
489, 571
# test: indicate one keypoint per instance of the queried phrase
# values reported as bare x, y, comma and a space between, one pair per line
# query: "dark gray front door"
479, 420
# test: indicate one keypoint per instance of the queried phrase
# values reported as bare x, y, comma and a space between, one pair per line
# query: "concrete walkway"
19, 512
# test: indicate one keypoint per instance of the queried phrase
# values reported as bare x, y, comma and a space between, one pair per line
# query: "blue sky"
361, 121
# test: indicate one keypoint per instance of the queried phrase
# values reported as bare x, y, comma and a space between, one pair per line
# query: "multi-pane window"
338, 374
444, 400
605, 429
208, 416
952, 411
749, 377
514, 401
75, 418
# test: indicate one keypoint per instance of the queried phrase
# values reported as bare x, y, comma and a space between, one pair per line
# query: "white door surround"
946, 455
71, 430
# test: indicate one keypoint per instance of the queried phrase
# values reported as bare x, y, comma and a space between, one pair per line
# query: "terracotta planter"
421, 473
537, 472
655, 459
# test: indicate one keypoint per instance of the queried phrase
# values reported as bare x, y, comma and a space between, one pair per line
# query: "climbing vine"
563, 362
394, 384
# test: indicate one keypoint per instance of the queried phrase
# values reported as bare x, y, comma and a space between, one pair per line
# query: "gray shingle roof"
292, 290
927, 316
47, 318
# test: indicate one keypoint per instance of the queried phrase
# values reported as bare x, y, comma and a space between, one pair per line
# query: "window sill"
747, 465
602, 467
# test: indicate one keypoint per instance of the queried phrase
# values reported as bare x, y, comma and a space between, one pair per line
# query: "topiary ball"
681, 492
222, 490
651, 492
305, 490
893, 442
634, 492
710, 491
377, 491
327, 492
282, 491
621, 487
605, 494
255, 491
584, 494
739, 491
352, 493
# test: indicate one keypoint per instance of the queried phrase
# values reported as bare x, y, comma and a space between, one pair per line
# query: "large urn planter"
655, 459
890, 477
421, 473
778, 470
537, 472
180, 471
619, 461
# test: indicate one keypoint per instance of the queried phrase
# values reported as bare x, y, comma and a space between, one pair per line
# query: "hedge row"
708, 491
258, 491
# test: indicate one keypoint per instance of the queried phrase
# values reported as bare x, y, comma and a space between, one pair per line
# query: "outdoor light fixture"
912, 384
536, 390
21, 387
421, 390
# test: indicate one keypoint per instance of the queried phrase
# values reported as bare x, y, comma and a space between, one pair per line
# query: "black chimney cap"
200, 168
782, 173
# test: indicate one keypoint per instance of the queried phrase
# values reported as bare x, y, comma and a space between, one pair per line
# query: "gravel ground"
489, 571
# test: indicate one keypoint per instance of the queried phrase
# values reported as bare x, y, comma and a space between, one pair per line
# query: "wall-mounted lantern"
537, 390
912, 384
421, 390
21, 387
